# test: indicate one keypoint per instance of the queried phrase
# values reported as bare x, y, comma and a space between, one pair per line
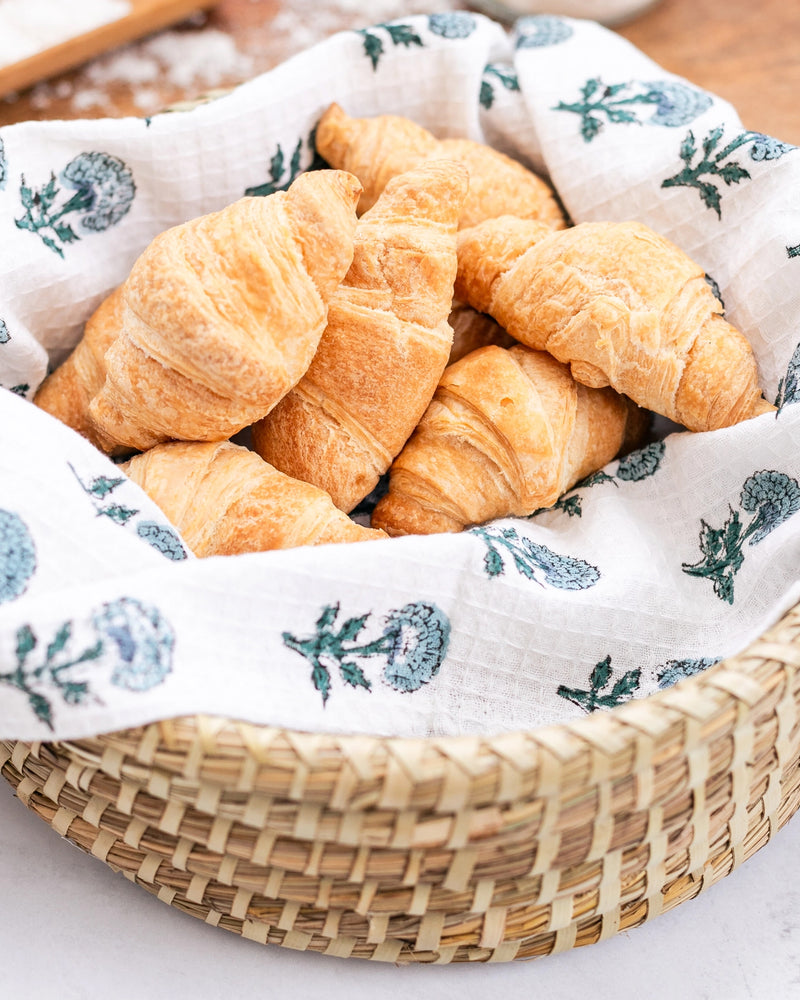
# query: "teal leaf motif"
714, 163
772, 497
373, 49
716, 290
98, 490
493, 562
504, 75
533, 561
353, 675
17, 556
789, 385
103, 191
117, 512
593, 697
594, 479
793, 251
572, 506
402, 34
674, 104
281, 176
51, 672
3, 165
399, 34
102, 485
621, 103
633, 467
413, 645
5, 336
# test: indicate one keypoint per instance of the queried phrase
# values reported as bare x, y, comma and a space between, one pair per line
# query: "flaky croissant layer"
220, 317
377, 149
226, 500
508, 431
622, 306
385, 346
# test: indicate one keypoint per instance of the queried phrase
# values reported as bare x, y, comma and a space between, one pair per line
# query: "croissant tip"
333, 112
350, 186
762, 406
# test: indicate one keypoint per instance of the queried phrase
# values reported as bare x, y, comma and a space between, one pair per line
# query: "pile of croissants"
423, 307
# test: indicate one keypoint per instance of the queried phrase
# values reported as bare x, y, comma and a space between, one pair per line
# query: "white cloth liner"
521, 623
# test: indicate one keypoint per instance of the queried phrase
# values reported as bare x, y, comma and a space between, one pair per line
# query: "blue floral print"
143, 639
413, 644
130, 637
103, 189
602, 104
533, 561
598, 694
17, 556
711, 162
540, 31
457, 24
772, 497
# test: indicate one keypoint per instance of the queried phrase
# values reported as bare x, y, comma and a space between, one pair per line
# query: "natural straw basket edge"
443, 849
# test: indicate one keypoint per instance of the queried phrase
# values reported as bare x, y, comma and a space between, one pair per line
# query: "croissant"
221, 316
225, 500
377, 149
67, 392
473, 329
386, 344
508, 431
622, 306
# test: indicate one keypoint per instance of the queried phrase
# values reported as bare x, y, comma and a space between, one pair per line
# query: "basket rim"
629, 738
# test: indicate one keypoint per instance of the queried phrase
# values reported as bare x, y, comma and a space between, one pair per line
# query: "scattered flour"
199, 56
186, 60
31, 26
179, 58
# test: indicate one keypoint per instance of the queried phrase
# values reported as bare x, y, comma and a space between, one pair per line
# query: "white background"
74, 930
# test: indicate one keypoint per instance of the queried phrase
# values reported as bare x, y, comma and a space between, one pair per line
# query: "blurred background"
746, 52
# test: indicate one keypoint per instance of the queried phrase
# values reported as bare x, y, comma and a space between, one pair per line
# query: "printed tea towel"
661, 564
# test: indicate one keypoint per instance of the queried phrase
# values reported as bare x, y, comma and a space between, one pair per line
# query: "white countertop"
74, 930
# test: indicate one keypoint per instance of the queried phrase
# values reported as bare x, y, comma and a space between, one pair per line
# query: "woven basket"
440, 850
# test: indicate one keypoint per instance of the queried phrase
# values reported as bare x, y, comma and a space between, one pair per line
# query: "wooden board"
744, 51
145, 16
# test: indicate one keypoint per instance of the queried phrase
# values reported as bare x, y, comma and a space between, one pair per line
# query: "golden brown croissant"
377, 149
386, 344
473, 329
222, 315
225, 500
67, 392
507, 433
623, 307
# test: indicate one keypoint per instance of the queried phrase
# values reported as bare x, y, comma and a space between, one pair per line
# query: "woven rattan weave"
440, 850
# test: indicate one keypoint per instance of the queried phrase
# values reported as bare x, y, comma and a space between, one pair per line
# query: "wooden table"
741, 50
